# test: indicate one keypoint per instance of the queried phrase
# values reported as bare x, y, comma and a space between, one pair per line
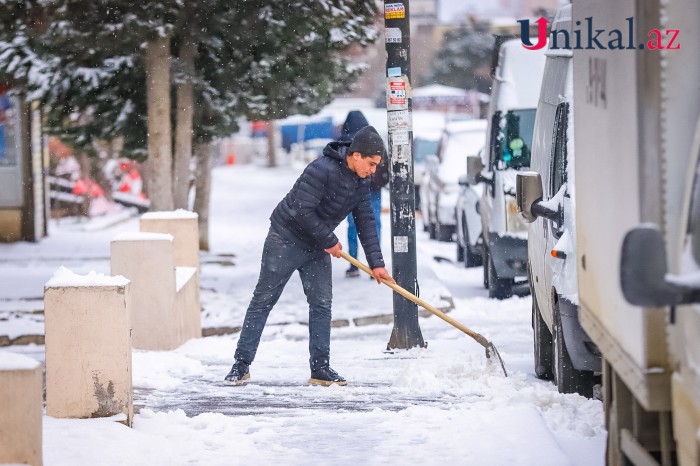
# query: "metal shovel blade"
491, 351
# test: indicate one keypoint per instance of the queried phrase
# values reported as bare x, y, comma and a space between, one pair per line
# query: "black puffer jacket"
321, 198
354, 122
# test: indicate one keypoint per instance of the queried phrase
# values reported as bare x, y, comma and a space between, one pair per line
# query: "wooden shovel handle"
410, 296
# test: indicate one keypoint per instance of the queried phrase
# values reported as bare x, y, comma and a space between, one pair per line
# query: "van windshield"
517, 138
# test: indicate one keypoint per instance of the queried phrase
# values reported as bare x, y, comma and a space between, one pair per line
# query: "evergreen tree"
464, 59
97, 68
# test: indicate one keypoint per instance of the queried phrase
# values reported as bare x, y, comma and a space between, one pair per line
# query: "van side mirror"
643, 271
474, 167
528, 195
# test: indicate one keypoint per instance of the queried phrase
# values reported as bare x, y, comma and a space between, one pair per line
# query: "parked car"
469, 238
423, 146
427, 129
511, 118
440, 186
546, 198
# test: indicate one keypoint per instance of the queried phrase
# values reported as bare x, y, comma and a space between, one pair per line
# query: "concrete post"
182, 224
22, 408
147, 259
88, 346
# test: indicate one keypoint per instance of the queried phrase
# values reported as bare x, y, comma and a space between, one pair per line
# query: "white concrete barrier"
21, 409
88, 346
165, 311
182, 224
147, 259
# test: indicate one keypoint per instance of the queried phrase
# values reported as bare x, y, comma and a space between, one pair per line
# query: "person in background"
354, 122
301, 239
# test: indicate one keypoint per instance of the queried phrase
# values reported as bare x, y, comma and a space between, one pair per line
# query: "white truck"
637, 142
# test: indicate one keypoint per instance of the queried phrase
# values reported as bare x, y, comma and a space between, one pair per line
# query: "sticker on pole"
392, 35
400, 243
394, 11
397, 93
399, 120
399, 137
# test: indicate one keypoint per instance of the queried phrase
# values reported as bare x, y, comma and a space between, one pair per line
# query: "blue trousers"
375, 198
279, 261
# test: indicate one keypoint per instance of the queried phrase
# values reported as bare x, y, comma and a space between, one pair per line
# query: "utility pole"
406, 332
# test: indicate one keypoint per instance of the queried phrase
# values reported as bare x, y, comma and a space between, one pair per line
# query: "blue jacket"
325, 193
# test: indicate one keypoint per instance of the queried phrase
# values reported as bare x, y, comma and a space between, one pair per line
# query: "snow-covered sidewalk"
441, 404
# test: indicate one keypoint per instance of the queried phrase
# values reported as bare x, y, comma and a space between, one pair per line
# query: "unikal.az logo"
616, 38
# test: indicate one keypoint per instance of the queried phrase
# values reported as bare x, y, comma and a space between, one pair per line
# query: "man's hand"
335, 250
381, 273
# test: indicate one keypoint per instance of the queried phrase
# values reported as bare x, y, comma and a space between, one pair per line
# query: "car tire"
568, 379
499, 288
472, 255
543, 344
444, 232
484, 265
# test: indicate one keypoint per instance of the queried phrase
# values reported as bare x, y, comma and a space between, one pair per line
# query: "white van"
511, 119
440, 187
546, 199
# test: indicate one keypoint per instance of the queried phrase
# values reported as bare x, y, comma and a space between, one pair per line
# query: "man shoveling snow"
301, 238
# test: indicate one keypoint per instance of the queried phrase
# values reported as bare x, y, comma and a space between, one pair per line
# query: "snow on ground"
444, 403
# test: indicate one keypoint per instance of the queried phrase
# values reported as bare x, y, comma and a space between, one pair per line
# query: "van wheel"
499, 288
444, 232
544, 357
472, 255
568, 379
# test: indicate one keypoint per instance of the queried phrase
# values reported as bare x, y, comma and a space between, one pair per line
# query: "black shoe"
352, 272
326, 376
239, 373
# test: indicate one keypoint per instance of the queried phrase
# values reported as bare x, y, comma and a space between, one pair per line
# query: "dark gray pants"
280, 259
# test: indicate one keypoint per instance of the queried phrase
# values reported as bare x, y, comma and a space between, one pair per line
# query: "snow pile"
16, 362
65, 278
169, 215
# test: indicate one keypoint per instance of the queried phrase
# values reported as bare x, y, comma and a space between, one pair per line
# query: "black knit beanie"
367, 142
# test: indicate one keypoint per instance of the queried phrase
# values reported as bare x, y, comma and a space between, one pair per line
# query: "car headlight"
513, 220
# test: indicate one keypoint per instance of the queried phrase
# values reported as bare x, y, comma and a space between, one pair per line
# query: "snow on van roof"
562, 22
461, 126
438, 90
519, 74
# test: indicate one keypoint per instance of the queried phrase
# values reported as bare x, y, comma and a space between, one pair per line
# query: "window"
558, 167
495, 139
517, 138
694, 221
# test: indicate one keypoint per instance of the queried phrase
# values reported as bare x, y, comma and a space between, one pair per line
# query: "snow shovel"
491, 351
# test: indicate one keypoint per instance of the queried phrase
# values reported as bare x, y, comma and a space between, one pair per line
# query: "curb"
226, 330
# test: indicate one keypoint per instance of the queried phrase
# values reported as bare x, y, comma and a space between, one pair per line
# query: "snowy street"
442, 404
